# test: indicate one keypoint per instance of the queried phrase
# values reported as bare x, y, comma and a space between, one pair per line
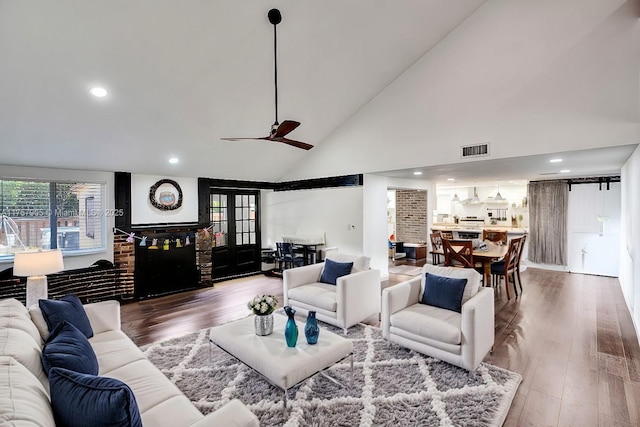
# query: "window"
49, 215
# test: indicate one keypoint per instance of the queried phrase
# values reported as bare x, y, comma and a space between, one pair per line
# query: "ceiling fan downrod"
275, 17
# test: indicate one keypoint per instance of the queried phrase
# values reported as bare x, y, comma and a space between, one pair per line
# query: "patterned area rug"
408, 270
389, 386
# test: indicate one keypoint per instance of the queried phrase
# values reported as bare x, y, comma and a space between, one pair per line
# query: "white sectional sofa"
24, 388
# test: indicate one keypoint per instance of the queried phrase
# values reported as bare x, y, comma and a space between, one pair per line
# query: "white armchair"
354, 298
462, 339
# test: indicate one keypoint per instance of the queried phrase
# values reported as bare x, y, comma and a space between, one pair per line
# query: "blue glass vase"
311, 329
291, 329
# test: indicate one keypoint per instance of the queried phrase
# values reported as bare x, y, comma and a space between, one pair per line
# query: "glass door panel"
235, 232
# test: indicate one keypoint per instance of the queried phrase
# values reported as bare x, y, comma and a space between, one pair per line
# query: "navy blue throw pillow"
68, 308
80, 400
67, 347
332, 270
443, 292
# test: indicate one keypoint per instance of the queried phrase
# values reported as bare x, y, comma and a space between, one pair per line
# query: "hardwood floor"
570, 336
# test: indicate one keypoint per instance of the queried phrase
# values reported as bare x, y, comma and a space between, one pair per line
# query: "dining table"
491, 252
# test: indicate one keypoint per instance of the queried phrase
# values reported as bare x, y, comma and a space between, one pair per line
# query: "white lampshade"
35, 265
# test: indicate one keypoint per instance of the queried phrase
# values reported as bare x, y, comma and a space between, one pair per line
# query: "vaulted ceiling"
376, 85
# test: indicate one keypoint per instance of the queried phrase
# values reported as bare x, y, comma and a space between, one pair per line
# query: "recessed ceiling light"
555, 160
174, 160
565, 171
451, 179
417, 173
98, 91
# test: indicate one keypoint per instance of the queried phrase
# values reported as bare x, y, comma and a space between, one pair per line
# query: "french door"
235, 232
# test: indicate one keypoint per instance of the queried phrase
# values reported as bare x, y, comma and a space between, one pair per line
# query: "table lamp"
35, 265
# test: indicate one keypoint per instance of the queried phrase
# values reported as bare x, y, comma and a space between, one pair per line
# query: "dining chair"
436, 247
285, 256
495, 236
507, 267
523, 239
458, 253
279, 256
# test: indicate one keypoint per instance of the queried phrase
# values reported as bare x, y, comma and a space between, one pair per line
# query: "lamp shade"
37, 263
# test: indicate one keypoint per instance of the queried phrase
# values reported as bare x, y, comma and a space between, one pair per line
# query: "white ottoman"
269, 355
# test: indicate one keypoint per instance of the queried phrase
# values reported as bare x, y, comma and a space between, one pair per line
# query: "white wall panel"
143, 212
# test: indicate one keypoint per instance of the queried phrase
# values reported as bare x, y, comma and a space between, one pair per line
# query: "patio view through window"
51, 215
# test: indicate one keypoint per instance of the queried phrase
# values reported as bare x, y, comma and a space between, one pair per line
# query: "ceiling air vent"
478, 150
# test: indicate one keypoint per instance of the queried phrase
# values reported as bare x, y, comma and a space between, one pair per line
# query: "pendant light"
455, 198
498, 195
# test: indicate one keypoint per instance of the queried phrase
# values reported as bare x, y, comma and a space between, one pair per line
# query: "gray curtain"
548, 205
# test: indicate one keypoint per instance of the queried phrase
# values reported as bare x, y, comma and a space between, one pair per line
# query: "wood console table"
415, 250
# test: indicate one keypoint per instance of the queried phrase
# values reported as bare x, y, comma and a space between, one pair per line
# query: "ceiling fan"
278, 131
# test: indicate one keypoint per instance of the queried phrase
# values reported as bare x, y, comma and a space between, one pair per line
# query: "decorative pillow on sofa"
68, 308
443, 292
67, 347
472, 276
87, 400
332, 270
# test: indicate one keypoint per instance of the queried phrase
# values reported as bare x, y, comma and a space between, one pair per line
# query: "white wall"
309, 212
630, 236
529, 77
375, 240
143, 212
331, 210
73, 261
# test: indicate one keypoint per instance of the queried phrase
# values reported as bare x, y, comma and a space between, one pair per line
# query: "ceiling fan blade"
285, 127
293, 143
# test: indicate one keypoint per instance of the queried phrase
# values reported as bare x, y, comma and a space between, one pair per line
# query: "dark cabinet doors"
235, 232
166, 267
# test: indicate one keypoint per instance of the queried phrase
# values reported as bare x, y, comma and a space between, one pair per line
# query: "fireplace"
165, 263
